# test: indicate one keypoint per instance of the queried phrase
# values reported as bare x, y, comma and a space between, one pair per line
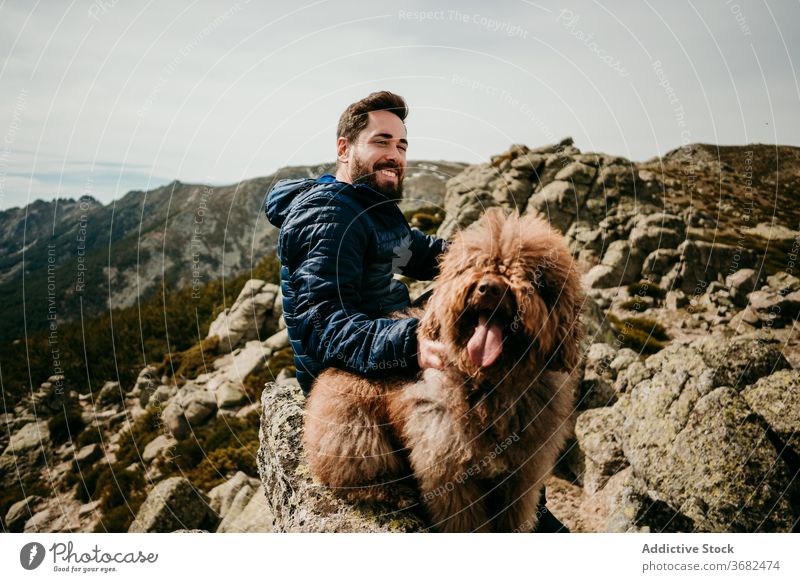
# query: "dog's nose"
491, 288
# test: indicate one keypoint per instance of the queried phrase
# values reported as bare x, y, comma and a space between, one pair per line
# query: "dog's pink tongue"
486, 343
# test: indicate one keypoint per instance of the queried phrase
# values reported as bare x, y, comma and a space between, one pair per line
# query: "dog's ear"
569, 331
566, 353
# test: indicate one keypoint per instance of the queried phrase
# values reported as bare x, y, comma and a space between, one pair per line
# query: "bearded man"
342, 239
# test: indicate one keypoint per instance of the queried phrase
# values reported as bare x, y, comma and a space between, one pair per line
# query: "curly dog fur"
477, 438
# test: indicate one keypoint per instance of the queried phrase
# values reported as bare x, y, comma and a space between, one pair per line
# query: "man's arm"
425, 251
326, 270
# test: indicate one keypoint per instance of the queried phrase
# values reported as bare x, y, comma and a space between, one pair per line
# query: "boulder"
577, 173
157, 446
597, 386
595, 433
740, 284
657, 231
145, 385
251, 312
20, 512
703, 262
253, 517
621, 265
783, 283
559, 202
230, 394
297, 503
773, 232
110, 394
278, 341
659, 262
192, 406
776, 399
242, 505
691, 437
771, 309
31, 436
174, 504
88, 455
632, 510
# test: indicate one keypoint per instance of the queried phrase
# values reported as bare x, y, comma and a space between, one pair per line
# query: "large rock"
740, 284
594, 431
596, 388
771, 309
20, 512
31, 436
158, 446
251, 312
242, 505
703, 262
692, 438
145, 385
192, 406
255, 516
621, 264
657, 231
559, 202
296, 501
172, 505
776, 399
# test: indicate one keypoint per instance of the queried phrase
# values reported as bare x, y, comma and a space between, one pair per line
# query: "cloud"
211, 92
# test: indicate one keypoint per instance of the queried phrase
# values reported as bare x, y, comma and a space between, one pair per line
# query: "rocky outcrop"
243, 320
174, 504
296, 501
242, 505
684, 402
686, 425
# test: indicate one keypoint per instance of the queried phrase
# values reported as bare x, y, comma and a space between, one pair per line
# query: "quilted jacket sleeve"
425, 251
328, 243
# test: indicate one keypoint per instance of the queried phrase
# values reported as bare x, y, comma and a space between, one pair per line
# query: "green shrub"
641, 334
221, 446
65, 425
110, 397
648, 288
86, 481
118, 486
426, 219
213, 470
281, 360
19, 490
90, 435
192, 362
117, 520
633, 305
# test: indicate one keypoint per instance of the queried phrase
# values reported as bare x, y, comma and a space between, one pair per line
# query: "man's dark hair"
355, 118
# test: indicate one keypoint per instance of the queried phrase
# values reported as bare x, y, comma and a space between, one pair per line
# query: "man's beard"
360, 174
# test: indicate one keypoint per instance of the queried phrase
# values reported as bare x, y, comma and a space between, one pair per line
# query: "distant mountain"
70, 258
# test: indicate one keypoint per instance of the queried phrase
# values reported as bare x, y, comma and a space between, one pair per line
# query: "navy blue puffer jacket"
339, 246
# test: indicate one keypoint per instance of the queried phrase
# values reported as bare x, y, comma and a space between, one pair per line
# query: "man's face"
378, 155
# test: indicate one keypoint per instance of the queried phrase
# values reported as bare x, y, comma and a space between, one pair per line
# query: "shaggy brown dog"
481, 435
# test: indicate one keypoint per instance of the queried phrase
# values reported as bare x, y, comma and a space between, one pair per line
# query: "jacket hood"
281, 198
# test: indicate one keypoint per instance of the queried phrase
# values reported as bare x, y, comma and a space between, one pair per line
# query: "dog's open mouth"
486, 343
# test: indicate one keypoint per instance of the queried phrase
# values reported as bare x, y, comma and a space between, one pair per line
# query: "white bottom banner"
374, 557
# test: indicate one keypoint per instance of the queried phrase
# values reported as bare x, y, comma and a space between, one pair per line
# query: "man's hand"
430, 354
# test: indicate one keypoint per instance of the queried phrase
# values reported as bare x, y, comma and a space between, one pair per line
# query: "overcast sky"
109, 96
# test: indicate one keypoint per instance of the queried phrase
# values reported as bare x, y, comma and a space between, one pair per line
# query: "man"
341, 240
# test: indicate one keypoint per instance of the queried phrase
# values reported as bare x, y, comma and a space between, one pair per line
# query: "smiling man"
342, 239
